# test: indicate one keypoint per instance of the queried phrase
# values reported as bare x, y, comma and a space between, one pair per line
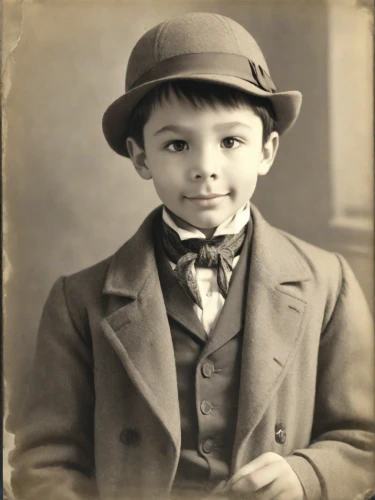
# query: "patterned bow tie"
217, 252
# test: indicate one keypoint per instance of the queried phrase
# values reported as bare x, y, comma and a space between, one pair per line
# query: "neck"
208, 232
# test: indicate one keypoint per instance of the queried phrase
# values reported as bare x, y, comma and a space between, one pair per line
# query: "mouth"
207, 201
210, 196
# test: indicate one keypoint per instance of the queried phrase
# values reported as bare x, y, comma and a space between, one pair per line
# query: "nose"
205, 164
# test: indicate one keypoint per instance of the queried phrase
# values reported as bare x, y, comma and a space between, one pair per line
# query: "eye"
176, 146
230, 143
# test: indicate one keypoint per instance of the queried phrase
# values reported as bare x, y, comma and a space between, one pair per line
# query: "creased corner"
13, 17
13, 24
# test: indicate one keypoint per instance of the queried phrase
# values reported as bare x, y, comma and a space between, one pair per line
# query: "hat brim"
287, 106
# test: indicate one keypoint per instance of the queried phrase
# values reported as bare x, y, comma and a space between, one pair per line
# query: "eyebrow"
226, 125
180, 129
171, 128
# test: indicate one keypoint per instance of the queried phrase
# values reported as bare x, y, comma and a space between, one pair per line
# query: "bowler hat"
199, 46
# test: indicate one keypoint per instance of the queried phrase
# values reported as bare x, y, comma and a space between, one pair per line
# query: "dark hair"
199, 93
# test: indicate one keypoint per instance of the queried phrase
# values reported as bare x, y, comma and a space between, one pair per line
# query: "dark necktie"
217, 252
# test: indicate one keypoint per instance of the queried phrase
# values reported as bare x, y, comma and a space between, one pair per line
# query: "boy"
212, 355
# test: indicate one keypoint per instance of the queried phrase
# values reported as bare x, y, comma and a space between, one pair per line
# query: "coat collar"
135, 261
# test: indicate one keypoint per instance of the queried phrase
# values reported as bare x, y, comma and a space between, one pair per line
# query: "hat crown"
193, 33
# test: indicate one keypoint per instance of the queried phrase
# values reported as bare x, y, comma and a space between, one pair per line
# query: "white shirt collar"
232, 225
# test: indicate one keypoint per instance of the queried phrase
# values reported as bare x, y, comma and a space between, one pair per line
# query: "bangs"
199, 94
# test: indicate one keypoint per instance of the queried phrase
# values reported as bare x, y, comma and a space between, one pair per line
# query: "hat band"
214, 63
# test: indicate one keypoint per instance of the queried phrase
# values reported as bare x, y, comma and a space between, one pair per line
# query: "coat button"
206, 407
207, 446
208, 369
130, 437
280, 433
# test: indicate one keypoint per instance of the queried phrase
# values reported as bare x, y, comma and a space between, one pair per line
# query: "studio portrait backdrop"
70, 201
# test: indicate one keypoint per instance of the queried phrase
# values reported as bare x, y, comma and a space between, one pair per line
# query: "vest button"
207, 446
280, 434
208, 369
206, 407
130, 437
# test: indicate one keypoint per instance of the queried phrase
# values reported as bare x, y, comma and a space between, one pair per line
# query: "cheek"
167, 186
242, 177
171, 174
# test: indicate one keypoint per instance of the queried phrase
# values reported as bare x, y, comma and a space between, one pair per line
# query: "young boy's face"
204, 162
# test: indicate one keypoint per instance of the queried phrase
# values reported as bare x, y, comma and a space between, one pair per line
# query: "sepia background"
70, 201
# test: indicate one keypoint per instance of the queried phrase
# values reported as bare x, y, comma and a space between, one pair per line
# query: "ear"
269, 153
138, 157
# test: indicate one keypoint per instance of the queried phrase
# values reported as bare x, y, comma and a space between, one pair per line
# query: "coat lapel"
273, 316
139, 331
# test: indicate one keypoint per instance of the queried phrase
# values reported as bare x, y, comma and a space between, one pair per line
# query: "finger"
273, 491
283, 495
261, 461
279, 489
259, 478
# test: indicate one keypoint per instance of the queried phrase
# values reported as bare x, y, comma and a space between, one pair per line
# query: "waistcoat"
208, 375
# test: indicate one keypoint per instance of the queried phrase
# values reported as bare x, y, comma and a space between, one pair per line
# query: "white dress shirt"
212, 300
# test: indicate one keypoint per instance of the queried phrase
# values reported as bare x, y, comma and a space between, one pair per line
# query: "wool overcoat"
102, 418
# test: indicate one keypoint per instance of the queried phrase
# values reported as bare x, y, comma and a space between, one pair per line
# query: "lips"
206, 196
206, 201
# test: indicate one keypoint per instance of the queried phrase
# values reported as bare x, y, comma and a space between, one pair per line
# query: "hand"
268, 477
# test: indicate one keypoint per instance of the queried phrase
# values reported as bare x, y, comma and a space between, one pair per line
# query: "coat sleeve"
339, 464
54, 454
